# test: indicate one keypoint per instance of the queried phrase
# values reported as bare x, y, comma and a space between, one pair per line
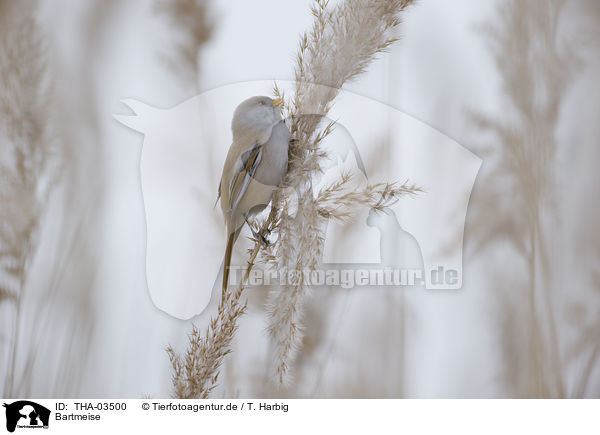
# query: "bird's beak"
277, 102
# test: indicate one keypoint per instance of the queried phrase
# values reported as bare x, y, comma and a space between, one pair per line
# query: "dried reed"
536, 71
342, 43
27, 159
192, 28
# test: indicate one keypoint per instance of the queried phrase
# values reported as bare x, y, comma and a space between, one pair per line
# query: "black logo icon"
26, 414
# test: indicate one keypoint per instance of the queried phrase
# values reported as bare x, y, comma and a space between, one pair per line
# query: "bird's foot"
261, 235
265, 240
264, 234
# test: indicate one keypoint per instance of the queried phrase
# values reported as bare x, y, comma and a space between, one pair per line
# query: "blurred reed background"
515, 82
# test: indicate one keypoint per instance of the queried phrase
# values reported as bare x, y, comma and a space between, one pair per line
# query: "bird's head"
256, 113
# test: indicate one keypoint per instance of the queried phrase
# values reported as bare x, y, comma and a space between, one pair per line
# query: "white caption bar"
300, 416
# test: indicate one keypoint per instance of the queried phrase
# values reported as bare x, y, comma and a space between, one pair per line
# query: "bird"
256, 163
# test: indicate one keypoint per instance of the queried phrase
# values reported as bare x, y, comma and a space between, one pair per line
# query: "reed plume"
27, 158
536, 69
341, 44
191, 28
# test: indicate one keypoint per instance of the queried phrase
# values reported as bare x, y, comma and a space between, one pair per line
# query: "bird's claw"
264, 234
260, 235
265, 240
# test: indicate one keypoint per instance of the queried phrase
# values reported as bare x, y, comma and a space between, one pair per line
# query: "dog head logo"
183, 151
26, 414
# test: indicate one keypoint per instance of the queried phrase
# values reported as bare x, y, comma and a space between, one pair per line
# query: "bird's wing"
244, 171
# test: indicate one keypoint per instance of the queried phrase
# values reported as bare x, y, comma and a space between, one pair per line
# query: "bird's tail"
227, 261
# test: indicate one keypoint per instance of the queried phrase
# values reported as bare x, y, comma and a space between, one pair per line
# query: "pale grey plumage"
255, 165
